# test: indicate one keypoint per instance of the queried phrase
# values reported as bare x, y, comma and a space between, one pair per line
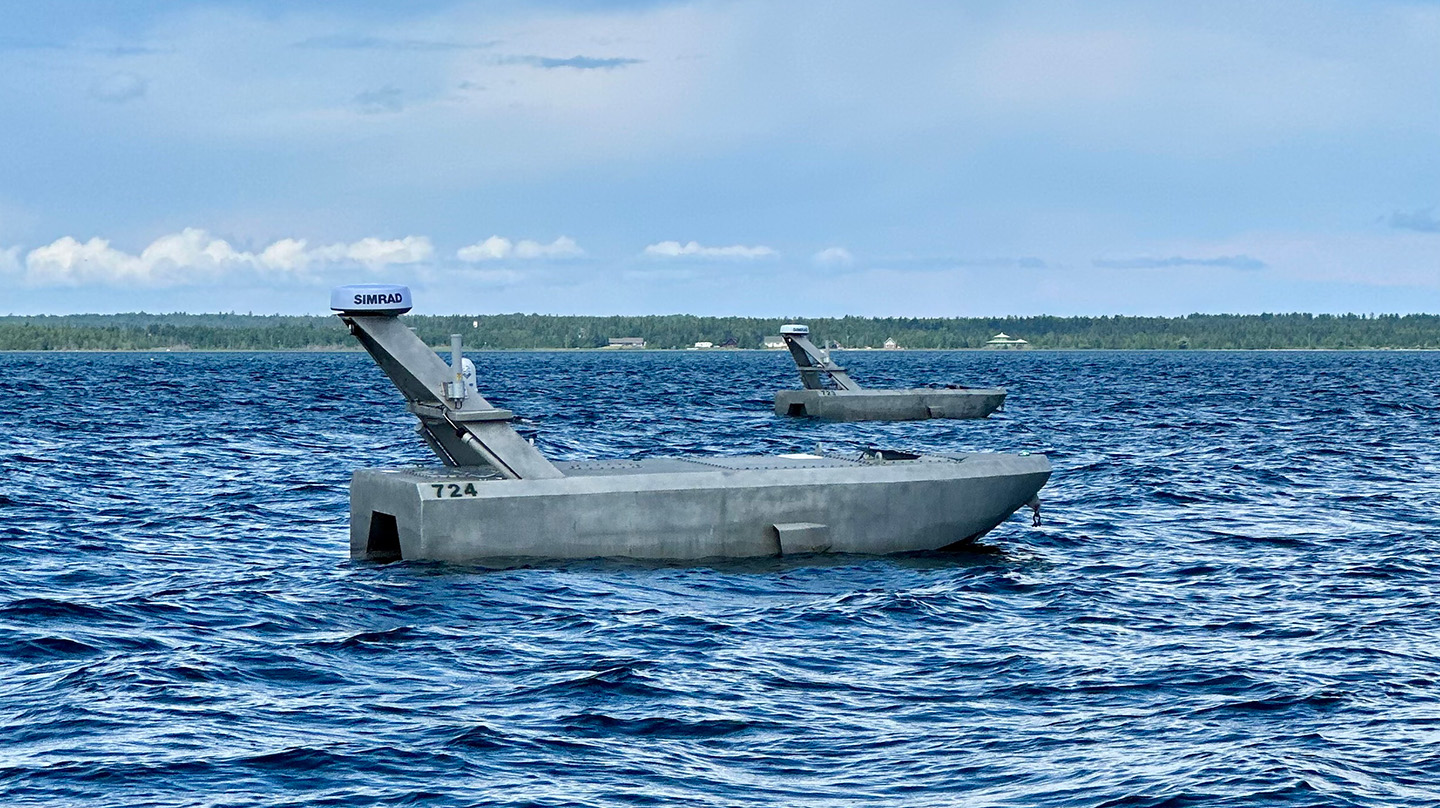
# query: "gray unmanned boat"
498, 497
831, 394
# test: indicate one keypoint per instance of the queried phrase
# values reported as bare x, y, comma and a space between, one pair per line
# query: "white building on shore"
1005, 342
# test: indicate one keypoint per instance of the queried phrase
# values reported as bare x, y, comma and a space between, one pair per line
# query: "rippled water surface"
1232, 600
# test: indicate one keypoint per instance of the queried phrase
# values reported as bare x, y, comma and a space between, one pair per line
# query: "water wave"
1230, 602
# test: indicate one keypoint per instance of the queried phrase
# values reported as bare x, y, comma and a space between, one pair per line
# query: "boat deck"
716, 463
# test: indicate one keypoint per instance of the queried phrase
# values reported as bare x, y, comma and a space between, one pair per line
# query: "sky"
928, 159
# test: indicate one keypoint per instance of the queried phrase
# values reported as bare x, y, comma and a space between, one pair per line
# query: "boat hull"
889, 405
626, 509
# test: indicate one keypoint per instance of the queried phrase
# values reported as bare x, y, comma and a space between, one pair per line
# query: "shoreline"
623, 351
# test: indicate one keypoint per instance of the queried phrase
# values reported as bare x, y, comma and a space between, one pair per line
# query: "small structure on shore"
831, 394
626, 342
1005, 342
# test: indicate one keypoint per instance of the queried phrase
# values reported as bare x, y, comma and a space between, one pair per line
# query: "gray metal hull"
689, 509
889, 405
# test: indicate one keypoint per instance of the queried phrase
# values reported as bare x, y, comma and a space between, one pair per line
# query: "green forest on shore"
141, 331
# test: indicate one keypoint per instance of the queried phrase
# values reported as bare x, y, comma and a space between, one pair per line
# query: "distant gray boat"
831, 394
497, 497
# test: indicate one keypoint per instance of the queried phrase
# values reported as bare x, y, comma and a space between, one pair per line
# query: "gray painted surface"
459, 515
890, 405
831, 394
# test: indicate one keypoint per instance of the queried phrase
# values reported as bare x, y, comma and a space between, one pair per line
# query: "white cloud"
169, 260
10, 260
491, 249
193, 255
375, 254
191, 248
497, 248
562, 247
674, 249
286, 254
833, 257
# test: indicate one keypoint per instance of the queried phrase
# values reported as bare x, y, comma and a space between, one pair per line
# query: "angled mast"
456, 422
815, 364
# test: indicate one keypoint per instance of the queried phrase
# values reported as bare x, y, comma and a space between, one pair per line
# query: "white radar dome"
370, 298
795, 329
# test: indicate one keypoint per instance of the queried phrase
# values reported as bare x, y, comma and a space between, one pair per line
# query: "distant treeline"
141, 331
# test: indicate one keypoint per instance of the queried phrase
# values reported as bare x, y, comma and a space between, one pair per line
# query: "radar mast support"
815, 365
463, 431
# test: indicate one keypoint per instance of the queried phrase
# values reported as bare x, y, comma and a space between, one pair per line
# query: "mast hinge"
443, 414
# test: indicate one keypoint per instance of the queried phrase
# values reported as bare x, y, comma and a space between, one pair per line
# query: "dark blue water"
1232, 601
